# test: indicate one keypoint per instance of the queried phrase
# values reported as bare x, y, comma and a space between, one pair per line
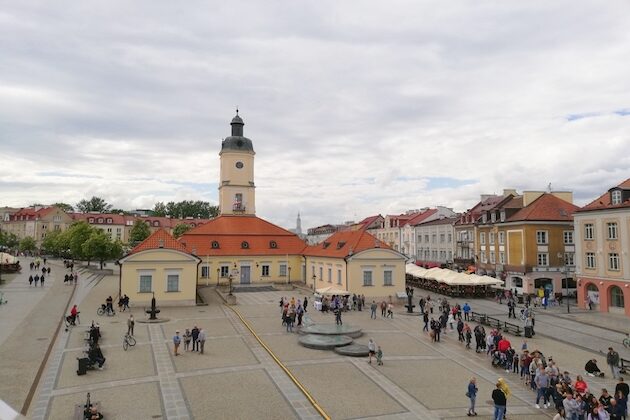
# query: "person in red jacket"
504, 345
73, 314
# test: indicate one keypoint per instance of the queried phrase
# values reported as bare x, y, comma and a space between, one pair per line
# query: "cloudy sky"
355, 108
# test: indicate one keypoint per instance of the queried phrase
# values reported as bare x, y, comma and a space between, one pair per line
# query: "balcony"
238, 208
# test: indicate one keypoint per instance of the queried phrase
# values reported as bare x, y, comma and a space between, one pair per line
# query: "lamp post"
289, 268
218, 271
230, 283
314, 278
566, 280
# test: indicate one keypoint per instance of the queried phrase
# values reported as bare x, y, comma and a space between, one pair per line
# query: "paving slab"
134, 363
140, 401
397, 343
221, 352
238, 395
287, 349
344, 392
216, 327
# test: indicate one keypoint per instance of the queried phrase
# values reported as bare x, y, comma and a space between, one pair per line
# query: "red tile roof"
547, 207
365, 223
422, 216
345, 243
29, 213
160, 239
442, 221
229, 232
603, 201
118, 219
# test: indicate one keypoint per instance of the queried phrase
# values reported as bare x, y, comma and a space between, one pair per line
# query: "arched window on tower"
238, 205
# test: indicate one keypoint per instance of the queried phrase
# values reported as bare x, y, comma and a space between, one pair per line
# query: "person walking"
130, 324
373, 310
542, 388
305, 304
383, 308
177, 339
195, 337
371, 350
612, 358
472, 396
125, 303
36, 278
468, 335
337, 313
30, 280
379, 356
500, 402
503, 386
425, 319
41, 280
390, 310
187, 339
466, 309
300, 313
202, 340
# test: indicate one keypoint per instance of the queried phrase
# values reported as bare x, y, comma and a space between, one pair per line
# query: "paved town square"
236, 377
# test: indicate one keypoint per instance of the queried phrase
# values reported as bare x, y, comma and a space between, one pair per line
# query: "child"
379, 356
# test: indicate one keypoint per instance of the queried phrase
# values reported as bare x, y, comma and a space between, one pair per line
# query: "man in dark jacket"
498, 397
195, 335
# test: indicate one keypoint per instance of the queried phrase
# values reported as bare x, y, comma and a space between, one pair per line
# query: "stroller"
499, 360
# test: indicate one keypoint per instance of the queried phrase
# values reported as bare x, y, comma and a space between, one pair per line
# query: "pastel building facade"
602, 241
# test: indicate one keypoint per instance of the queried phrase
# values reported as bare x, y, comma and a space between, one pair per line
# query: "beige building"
435, 242
357, 262
36, 222
602, 241
161, 267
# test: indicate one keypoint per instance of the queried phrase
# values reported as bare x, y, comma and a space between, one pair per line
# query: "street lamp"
289, 268
230, 283
563, 258
218, 271
314, 278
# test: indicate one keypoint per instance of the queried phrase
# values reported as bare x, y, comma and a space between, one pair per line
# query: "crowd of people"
37, 279
194, 340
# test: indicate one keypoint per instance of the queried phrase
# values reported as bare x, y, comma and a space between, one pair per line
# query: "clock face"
239, 165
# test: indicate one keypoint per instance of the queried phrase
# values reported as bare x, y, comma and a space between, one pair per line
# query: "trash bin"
83, 366
529, 332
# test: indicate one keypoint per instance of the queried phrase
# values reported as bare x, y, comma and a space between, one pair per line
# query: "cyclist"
73, 314
110, 305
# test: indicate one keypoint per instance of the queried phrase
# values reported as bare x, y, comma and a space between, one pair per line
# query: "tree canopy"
27, 244
186, 208
8, 240
94, 204
139, 232
65, 207
180, 229
100, 247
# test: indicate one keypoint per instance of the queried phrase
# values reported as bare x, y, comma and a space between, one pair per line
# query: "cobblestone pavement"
237, 378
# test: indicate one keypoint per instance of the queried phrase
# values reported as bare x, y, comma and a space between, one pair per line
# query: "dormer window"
484, 218
503, 215
273, 244
91, 220
109, 220
493, 217
100, 220
340, 244
615, 197
245, 245
326, 244
156, 223
215, 245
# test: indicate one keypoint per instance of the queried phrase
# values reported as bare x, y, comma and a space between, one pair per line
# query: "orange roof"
230, 232
604, 202
345, 243
29, 213
420, 217
159, 239
547, 207
121, 219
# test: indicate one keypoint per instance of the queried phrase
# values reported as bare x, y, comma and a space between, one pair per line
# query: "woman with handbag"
472, 395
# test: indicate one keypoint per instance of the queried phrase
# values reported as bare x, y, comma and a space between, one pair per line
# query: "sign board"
594, 296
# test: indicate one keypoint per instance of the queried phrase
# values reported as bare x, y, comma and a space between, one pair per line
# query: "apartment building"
436, 242
602, 241
35, 222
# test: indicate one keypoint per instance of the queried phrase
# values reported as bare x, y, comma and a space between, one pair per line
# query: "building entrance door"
245, 271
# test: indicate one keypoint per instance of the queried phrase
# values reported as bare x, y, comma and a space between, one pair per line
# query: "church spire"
237, 125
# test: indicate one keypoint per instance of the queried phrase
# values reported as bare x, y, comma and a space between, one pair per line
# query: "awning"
7, 258
450, 277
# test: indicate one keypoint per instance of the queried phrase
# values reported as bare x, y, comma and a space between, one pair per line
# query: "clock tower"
236, 183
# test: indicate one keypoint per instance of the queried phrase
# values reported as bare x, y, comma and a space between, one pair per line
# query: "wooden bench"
479, 318
624, 366
512, 329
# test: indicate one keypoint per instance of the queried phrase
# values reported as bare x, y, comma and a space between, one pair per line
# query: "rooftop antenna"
236, 109
549, 187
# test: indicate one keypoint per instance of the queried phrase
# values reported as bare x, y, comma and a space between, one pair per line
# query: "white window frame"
491, 238
482, 255
567, 236
542, 237
338, 276
591, 261
501, 238
388, 278
589, 231
501, 257
542, 258
225, 270
613, 261
482, 238
265, 270
329, 275
283, 270
492, 257
613, 230
206, 268
569, 259
172, 273
615, 197
368, 278
145, 273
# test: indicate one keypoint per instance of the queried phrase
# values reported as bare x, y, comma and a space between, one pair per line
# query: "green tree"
118, 211
94, 204
180, 229
51, 243
8, 240
159, 209
139, 232
101, 248
27, 244
65, 207
78, 233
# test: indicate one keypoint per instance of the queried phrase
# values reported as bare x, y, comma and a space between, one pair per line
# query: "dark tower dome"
237, 141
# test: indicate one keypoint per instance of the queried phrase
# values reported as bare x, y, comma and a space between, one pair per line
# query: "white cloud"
351, 109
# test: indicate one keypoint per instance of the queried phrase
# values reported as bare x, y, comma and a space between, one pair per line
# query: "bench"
512, 329
478, 318
497, 323
624, 366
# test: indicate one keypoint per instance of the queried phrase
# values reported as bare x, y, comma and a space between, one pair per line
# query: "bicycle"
102, 310
128, 341
72, 322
